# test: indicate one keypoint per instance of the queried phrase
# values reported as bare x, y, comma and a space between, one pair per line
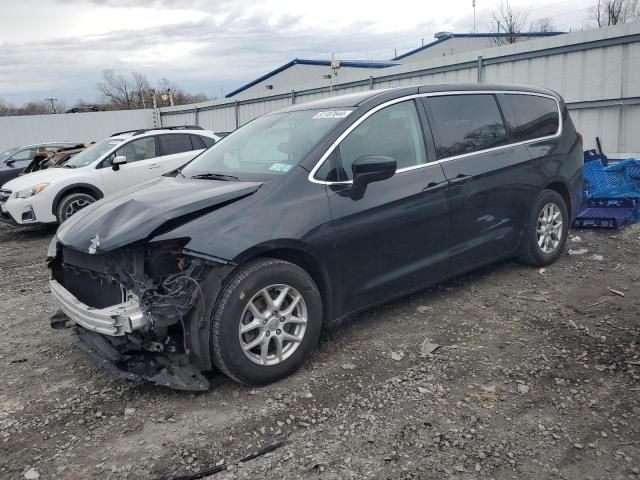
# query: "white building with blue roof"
447, 43
300, 72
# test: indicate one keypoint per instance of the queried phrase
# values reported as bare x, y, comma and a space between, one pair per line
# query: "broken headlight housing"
31, 191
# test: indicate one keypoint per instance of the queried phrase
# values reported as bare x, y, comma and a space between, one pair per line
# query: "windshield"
8, 153
269, 146
92, 153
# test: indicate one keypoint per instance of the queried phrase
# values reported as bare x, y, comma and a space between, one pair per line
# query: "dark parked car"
309, 214
15, 160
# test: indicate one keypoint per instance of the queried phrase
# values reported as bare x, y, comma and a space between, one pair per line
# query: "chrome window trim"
343, 135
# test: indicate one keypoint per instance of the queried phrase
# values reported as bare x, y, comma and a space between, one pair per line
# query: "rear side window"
175, 143
531, 116
206, 141
465, 124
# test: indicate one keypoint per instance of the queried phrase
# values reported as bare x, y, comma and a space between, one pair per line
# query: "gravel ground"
537, 375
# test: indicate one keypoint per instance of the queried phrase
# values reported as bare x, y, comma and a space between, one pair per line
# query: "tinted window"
176, 143
393, 132
465, 123
208, 141
532, 116
196, 142
141, 149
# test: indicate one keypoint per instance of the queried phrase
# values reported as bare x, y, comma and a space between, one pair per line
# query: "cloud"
203, 46
216, 52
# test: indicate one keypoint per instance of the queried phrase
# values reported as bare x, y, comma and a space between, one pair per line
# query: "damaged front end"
140, 310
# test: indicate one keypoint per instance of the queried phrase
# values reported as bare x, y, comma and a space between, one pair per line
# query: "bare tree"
141, 89
34, 108
6, 108
37, 107
508, 24
614, 12
542, 25
136, 92
122, 92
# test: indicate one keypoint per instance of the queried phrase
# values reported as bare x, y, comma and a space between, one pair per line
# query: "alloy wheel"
75, 206
549, 228
273, 324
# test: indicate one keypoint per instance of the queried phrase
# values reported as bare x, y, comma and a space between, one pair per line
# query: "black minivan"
311, 213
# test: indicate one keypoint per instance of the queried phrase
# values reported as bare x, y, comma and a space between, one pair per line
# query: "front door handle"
460, 179
155, 165
434, 187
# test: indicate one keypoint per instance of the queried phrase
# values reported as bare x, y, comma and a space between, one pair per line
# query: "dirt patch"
537, 376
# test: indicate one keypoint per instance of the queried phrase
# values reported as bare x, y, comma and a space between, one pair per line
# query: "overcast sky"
58, 48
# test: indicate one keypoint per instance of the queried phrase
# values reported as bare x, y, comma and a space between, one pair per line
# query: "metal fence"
597, 72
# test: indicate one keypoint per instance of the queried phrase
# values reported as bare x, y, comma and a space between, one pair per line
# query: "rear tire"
71, 204
256, 342
545, 237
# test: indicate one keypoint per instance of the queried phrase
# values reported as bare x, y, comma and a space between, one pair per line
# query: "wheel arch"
302, 258
562, 188
75, 188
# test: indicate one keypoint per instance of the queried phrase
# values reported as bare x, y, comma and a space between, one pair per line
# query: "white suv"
121, 161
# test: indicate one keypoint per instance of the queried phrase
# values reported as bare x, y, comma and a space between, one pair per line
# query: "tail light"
580, 139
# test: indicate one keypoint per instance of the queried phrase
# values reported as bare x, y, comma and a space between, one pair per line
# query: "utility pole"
473, 4
53, 107
156, 113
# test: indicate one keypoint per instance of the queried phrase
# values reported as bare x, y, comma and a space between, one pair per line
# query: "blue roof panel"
301, 61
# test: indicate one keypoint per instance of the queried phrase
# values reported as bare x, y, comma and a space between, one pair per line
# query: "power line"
552, 5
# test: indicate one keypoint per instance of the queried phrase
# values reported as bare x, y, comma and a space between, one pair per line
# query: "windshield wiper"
216, 176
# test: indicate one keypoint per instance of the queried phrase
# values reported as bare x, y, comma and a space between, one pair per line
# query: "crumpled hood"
134, 214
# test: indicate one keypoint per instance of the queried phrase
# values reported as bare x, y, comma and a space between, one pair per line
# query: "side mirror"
9, 163
372, 168
119, 160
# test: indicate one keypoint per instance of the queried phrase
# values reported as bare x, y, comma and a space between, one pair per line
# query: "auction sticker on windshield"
332, 114
281, 167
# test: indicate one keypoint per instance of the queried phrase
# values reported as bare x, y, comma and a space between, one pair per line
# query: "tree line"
117, 92
512, 23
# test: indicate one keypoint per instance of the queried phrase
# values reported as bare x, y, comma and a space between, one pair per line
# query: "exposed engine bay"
140, 310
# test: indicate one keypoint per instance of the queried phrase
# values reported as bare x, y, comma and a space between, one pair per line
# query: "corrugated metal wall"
597, 72
73, 127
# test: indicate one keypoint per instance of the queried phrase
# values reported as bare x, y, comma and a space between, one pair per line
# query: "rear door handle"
460, 179
434, 187
155, 165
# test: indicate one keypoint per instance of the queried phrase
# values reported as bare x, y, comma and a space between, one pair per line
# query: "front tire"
548, 229
266, 322
72, 204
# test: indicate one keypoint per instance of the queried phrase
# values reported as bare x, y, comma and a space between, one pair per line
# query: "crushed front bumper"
171, 370
116, 320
